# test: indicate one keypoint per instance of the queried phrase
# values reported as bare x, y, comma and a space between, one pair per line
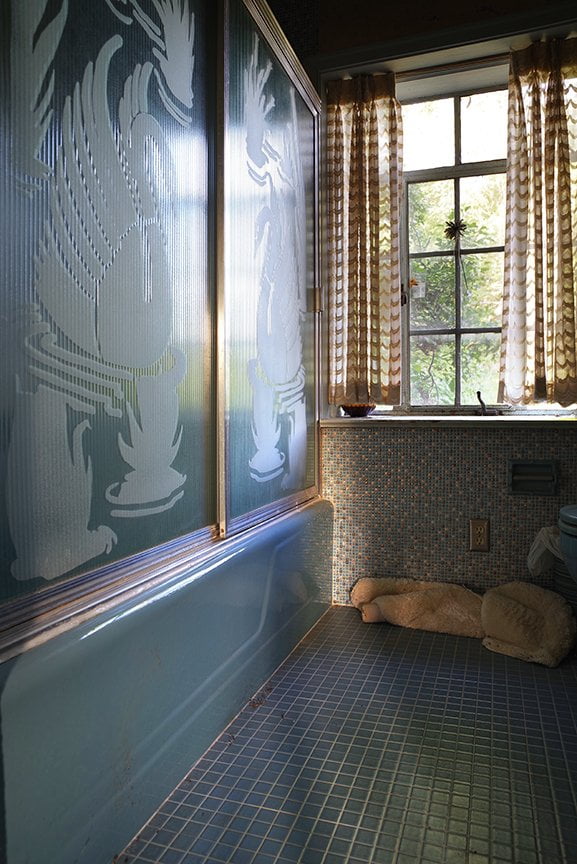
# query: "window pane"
433, 292
484, 126
432, 370
428, 134
483, 210
482, 289
431, 205
479, 367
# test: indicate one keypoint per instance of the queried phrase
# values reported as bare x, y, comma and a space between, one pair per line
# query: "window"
483, 304
453, 247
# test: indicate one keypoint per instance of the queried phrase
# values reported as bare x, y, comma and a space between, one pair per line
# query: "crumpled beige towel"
366, 589
518, 619
436, 606
528, 622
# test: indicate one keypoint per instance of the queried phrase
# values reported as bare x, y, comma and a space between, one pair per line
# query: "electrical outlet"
479, 535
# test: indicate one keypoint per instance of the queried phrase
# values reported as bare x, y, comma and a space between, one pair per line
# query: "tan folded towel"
528, 622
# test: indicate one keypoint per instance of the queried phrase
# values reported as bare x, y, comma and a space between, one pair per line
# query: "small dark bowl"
358, 410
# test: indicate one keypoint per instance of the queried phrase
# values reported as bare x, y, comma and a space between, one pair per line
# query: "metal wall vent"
535, 477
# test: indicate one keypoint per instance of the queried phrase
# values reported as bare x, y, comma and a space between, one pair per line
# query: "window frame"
455, 172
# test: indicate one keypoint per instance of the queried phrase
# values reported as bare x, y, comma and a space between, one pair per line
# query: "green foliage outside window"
443, 265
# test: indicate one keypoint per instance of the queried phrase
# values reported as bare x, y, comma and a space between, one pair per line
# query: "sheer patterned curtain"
364, 137
539, 309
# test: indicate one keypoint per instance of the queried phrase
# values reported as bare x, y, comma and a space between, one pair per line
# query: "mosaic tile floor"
377, 744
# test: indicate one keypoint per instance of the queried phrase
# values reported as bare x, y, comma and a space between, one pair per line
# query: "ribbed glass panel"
269, 276
106, 317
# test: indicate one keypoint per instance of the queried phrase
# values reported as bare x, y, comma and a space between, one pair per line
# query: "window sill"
464, 421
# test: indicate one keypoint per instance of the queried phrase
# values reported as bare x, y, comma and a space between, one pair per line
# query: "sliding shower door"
270, 144
158, 343
107, 436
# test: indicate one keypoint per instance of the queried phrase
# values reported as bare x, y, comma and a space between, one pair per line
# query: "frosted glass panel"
269, 279
106, 356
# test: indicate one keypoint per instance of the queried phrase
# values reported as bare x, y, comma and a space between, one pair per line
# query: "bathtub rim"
37, 617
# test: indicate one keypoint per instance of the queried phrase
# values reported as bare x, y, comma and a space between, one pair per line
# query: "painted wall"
100, 723
403, 498
344, 25
300, 23
317, 27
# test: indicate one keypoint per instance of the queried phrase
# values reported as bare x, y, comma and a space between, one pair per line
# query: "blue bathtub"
101, 722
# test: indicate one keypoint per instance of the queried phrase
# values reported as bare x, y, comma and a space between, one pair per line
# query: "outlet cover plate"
479, 535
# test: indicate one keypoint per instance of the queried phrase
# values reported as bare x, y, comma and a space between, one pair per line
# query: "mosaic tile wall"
403, 498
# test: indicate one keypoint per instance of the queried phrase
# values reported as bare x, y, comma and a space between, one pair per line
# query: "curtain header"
544, 56
361, 88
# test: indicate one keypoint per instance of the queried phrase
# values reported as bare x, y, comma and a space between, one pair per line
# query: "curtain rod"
447, 68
